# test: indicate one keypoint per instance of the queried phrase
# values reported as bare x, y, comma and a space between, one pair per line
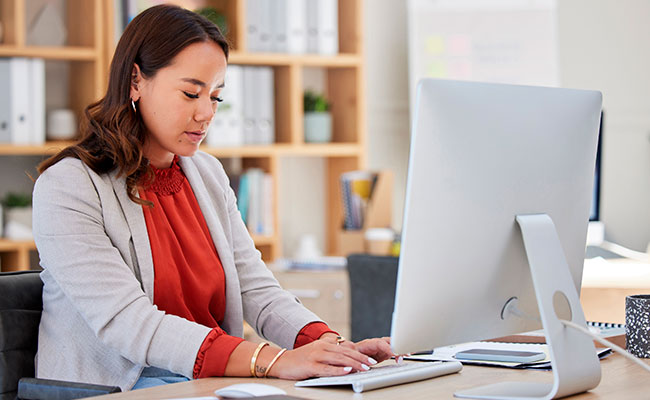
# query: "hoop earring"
133, 105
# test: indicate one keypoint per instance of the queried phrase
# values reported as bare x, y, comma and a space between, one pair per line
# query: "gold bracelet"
281, 352
254, 358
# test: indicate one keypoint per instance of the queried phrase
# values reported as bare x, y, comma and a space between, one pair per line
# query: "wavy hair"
111, 134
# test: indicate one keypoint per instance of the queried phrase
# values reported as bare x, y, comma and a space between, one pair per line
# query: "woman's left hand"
377, 348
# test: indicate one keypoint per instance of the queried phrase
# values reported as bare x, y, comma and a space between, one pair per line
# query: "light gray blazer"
99, 324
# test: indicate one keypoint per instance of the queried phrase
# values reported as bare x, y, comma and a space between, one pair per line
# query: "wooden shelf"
279, 149
51, 53
46, 148
16, 245
263, 240
14, 255
307, 60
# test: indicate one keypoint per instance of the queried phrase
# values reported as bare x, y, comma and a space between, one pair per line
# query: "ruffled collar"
167, 181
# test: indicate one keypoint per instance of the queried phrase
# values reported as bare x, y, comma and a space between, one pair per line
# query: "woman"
149, 270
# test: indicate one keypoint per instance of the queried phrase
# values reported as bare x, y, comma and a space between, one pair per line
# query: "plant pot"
18, 223
318, 127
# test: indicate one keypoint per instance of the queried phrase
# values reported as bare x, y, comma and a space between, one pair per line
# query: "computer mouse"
243, 390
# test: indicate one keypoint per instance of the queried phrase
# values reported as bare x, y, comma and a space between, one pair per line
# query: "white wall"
387, 93
603, 44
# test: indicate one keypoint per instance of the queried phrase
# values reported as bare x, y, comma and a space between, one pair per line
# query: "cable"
606, 343
624, 251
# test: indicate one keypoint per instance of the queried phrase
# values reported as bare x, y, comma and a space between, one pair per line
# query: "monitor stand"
576, 367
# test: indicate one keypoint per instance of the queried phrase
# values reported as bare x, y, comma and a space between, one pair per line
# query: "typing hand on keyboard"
328, 357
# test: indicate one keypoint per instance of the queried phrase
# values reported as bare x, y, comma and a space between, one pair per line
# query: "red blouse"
189, 280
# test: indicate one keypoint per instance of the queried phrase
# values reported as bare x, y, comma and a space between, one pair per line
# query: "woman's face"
178, 102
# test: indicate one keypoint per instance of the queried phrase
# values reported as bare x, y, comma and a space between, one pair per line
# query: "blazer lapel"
138, 227
214, 212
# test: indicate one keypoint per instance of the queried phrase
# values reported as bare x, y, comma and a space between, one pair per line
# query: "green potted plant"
317, 119
17, 216
215, 17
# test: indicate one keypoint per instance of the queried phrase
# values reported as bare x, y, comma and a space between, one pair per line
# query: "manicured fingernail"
400, 359
347, 369
364, 366
372, 361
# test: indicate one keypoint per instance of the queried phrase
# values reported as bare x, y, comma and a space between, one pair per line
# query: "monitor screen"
594, 213
481, 155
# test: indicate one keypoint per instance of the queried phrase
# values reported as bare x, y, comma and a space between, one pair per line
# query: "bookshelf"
86, 56
90, 51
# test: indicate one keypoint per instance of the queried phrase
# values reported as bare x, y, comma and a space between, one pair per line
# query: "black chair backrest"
21, 304
372, 295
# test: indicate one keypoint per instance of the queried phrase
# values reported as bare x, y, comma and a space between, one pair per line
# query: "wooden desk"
621, 379
606, 283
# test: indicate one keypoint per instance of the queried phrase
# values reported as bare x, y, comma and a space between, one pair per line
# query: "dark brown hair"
112, 135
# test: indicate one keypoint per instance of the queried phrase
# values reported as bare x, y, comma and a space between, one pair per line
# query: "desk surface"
621, 379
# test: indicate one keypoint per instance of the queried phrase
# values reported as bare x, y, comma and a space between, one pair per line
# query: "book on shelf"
367, 203
357, 189
254, 189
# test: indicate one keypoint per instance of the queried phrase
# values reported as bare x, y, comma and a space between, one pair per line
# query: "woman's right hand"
319, 358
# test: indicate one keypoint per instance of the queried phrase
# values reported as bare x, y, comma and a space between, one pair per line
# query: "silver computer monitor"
482, 155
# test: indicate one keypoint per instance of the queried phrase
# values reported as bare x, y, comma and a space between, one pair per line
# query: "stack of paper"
447, 353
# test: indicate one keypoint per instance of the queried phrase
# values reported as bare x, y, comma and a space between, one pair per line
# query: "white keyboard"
387, 375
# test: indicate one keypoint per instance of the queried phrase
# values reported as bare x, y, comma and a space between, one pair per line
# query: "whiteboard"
503, 41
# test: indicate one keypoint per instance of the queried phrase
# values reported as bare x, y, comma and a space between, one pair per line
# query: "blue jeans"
152, 376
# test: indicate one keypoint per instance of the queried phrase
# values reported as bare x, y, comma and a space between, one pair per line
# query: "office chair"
21, 305
372, 295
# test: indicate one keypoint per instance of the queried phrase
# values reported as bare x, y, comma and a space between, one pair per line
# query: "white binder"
5, 101
226, 128
279, 29
265, 107
296, 27
311, 12
253, 16
37, 101
327, 29
19, 100
264, 18
289, 26
249, 104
